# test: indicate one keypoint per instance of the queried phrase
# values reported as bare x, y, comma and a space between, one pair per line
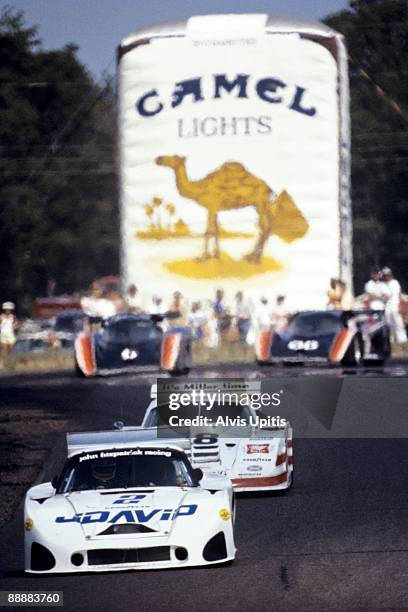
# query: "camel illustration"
229, 187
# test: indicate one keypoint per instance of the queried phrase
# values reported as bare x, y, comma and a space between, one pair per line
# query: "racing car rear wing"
170, 314
156, 317
361, 313
251, 387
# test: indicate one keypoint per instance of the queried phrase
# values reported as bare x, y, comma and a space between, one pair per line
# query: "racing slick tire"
179, 371
78, 371
292, 478
381, 345
354, 353
183, 361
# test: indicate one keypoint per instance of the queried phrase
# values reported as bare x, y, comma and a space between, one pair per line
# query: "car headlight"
28, 524
225, 514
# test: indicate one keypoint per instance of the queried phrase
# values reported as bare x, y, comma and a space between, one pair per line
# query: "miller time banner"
234, 158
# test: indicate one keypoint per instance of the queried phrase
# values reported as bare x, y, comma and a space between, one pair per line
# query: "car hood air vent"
41, 500
126, 529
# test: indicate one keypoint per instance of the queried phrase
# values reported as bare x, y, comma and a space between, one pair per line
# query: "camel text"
269, 89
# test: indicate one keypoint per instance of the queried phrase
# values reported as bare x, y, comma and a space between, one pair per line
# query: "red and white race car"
257, 458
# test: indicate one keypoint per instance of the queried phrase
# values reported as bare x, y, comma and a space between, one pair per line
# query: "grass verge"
64, 360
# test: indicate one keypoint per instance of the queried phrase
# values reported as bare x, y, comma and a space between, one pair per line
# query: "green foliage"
377, 41
58, 194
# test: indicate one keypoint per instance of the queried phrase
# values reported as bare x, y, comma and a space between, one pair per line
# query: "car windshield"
125, 468
131, 331
314, 324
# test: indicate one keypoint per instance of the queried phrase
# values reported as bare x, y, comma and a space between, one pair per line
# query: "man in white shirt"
377, 291
263, 314
197, 321
97, 304
156, 305
392, 307
106, 308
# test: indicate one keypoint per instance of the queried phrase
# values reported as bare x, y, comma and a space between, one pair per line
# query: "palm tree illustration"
157, 202
171, 211
149, 214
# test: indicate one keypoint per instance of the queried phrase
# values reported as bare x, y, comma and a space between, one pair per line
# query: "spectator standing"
393, 316
133, 301
119, 303
8, 327
221, 313
177, 306
346, 297
263, 314
219, 304
89, 303
106, 306
97, 304
243, 313
155, 306
261, 320
280, 313
334, 294
211, 336
197, 321
377, 291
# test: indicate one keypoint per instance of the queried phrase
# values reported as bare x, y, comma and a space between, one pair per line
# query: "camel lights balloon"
234, 158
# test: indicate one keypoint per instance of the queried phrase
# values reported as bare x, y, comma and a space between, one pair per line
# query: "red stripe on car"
266, 481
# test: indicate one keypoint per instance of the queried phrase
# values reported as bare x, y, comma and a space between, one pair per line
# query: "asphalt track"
336, 541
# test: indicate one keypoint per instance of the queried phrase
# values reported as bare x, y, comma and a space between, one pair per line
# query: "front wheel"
179, 371
291, 479
78, 371
381, 346
354, 353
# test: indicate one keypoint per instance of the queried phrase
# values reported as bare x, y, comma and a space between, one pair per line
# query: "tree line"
58, 184
376, 33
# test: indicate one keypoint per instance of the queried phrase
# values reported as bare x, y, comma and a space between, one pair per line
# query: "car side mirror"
54, 482
198, 474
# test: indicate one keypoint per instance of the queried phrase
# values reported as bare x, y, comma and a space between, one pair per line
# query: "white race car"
123, 505
262, 460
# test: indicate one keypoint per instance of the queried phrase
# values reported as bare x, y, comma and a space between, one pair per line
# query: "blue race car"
132, 342
332, 336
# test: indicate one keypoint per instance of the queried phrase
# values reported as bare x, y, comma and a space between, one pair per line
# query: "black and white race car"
348, 338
